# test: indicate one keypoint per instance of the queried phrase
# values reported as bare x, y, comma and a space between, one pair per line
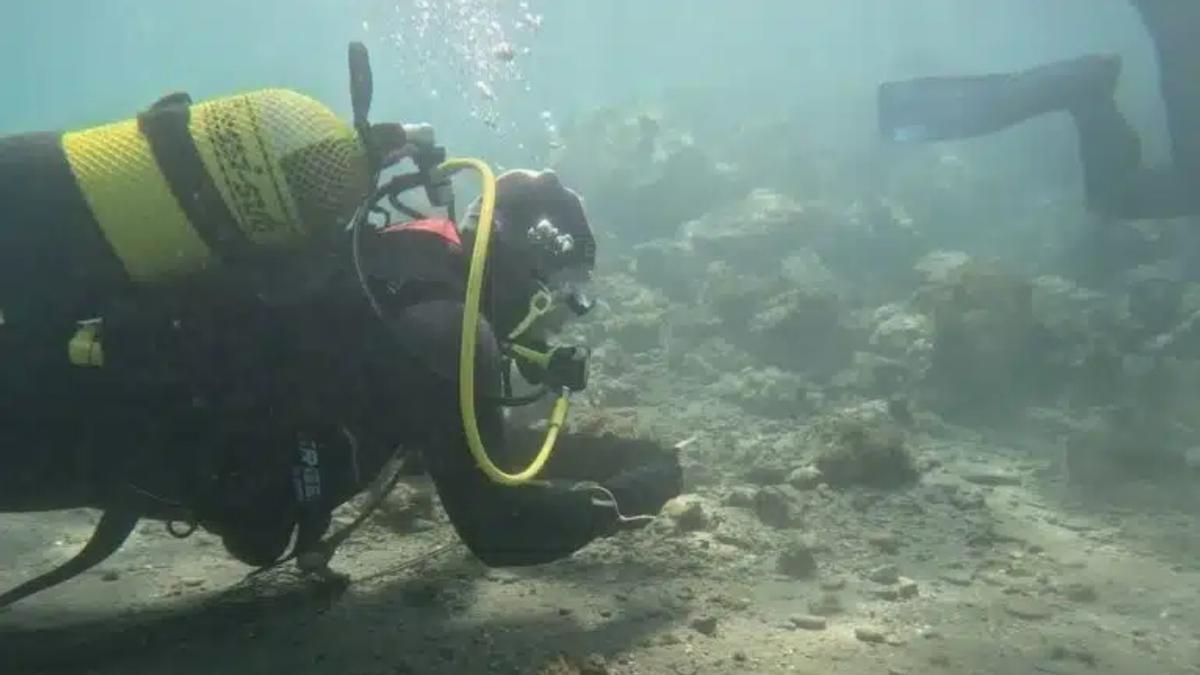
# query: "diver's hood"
541, 223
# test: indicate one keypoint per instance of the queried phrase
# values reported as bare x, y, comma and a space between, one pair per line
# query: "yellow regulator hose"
470, 329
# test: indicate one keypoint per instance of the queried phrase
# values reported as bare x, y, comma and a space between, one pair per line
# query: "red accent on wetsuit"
442, 227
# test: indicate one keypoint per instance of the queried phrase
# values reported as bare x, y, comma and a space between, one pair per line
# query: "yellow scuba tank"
187, 187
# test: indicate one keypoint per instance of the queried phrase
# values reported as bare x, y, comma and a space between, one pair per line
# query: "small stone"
777, 507
804, 477
705, 625
884, 574
594, 664
687, 512
1061, 652
908, 588
968, 499
797, 560
1080, 592
668, 639
740, 497
1027, 608
833, 584
957, 578
870, 635
110, 575
886, 593
739, 656
886, 542
809, 622
192, 582
766, 474
992, 478
826, 605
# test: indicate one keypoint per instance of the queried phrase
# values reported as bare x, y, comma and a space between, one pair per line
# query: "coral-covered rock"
989, 351
863, 445
643, 175
802, 331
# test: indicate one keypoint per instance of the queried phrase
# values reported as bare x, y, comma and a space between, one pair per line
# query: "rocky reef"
791, 302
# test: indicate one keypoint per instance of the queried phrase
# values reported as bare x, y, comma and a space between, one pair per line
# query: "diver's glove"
610, 517
639, 492
628, 479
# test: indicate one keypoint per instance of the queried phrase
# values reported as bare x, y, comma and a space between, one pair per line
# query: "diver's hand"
645, 487
628, 480
632, 498
641, 473
610, 518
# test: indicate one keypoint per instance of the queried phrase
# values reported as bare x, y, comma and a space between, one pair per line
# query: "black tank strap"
165, 125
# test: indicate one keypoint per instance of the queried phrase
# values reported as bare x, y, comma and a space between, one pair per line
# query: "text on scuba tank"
249, 176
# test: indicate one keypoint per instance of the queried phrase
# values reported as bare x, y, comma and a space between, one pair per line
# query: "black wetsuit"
254, 418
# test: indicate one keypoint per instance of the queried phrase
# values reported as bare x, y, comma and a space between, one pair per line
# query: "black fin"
110, 534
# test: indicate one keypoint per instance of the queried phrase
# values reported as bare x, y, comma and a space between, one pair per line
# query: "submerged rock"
797, 560
877, 376
1028, 608
688, 512
828, 604
802, 331
884, 541
641, 171
705, 625
937, 267
870, 634
778, 507
901, 333
809, 622
991, 477
989, 351
769, 392
863, 445
805, 477
884, 574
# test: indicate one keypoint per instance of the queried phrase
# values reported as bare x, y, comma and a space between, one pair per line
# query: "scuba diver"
1115, 182
191, 333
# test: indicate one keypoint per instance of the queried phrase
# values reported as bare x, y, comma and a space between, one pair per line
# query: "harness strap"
165, 126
